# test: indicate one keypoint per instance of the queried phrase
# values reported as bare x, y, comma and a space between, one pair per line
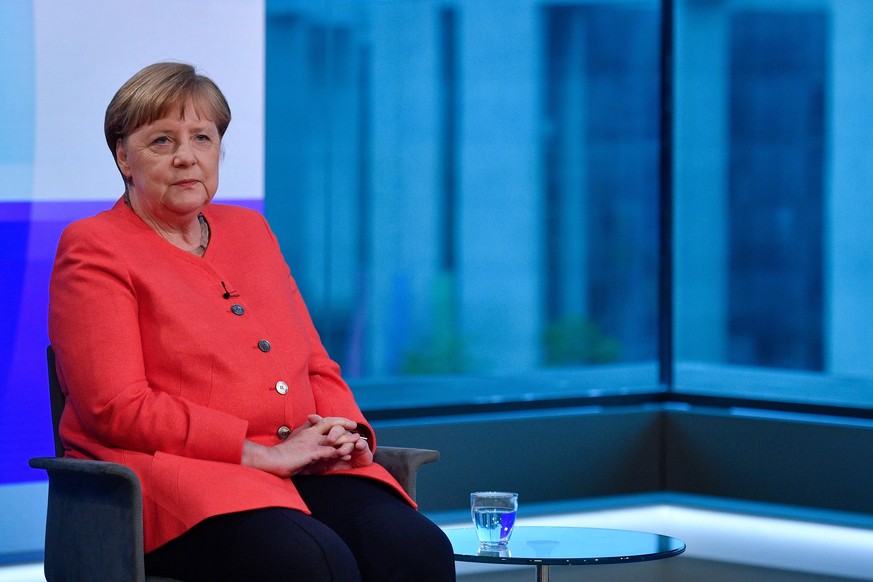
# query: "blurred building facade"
473, 185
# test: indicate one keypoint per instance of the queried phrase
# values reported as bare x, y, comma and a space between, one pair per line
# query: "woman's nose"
184, 155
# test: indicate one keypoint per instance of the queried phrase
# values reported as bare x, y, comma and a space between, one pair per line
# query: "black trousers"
359, 530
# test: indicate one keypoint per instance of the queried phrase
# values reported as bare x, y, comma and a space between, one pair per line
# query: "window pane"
773, 247
471, 186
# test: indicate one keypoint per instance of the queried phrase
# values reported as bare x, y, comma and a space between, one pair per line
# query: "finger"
337, 435
346, 423
345, 450
325, 455
350, 437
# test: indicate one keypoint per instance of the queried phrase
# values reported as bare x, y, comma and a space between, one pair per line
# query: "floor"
26, 573
722, 547
681, 569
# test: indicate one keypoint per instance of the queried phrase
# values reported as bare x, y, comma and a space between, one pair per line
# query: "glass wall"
470, 187
773, 155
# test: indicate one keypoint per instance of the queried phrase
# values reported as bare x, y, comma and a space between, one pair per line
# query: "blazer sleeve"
94, 330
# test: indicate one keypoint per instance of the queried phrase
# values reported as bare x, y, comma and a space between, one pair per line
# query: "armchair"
94, 521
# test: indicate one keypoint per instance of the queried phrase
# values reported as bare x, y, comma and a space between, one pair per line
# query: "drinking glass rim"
494, 493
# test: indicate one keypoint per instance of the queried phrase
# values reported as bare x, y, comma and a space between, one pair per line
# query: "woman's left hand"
354, 450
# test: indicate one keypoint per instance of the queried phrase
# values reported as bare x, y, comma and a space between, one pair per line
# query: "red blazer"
170, 361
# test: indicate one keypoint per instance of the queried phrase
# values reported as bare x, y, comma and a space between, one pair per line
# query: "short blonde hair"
155, 92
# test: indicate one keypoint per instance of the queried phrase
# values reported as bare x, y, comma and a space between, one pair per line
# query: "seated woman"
187, 354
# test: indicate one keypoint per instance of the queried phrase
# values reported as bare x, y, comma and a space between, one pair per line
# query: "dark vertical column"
448, 77
665, 201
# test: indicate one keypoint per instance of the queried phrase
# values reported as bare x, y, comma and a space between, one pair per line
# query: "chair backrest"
57, 398
94, 516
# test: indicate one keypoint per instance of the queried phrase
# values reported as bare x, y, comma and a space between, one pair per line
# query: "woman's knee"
414, 549
431, 555
265, 544
301, 548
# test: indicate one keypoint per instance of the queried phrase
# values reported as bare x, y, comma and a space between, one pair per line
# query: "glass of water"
493, 515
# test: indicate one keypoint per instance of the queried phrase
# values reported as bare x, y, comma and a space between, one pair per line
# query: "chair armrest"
404, 463
86, 497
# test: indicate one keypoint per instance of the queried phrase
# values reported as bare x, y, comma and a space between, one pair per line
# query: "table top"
553, 546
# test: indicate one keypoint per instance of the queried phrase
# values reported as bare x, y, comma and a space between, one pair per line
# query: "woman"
187, 354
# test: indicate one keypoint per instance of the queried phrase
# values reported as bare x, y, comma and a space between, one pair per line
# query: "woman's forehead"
191, 110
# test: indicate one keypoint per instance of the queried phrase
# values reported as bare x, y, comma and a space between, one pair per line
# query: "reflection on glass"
543, 548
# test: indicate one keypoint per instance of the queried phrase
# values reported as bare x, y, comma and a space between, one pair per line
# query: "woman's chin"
188, 202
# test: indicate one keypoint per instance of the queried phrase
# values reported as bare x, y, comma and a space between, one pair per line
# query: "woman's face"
172, 165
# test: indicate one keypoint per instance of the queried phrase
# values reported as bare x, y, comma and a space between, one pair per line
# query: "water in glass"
494, 516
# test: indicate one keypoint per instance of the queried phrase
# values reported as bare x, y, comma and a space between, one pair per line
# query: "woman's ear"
121, 158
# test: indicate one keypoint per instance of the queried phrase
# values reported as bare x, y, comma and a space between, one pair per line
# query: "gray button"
284, 432
264, 346
281, 387
237, 309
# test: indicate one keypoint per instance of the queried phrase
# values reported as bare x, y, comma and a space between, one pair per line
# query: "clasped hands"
321, 444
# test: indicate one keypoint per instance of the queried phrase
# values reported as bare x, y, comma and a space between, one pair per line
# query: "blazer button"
284, 432
264, 346
281, 387
237, 309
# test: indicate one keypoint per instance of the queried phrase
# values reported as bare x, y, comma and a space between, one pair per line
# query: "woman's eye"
202, 137
161, 140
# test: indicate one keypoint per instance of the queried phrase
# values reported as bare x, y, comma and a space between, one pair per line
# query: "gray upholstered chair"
94, 520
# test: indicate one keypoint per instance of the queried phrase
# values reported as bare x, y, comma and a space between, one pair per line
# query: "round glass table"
544, 546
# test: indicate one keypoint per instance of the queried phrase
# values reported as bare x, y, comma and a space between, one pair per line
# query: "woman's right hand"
320, 442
